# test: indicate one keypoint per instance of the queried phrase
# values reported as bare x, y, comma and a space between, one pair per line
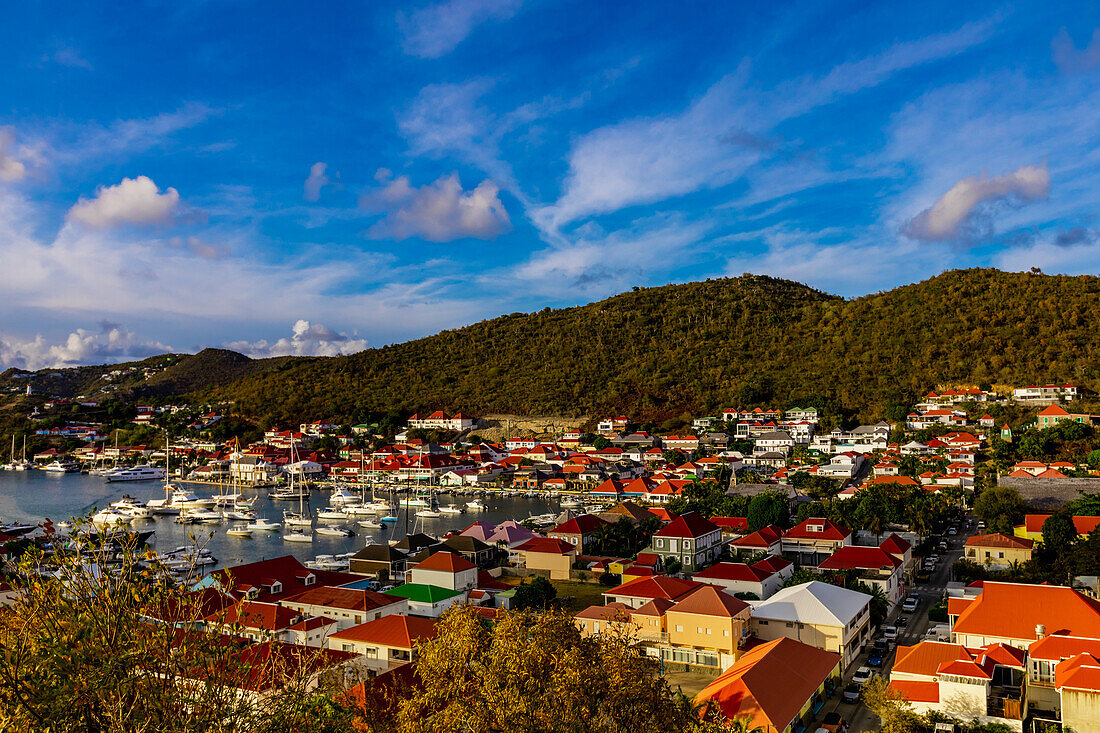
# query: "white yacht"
332, 514
359, 510
208, 516
293, 519
298, 537
342, 496
475, 504
452, 509
60, 466
429, 513
137, 473
240, 513
131, 507
239, 532
109, 518
226, 499
415, 501
263, 524
335, 532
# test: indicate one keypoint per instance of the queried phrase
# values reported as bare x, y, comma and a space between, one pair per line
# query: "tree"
891, 707
674, 457
538, 594
771, 507
86, 650
600, 442
1002, 508
528, 672
1059, 533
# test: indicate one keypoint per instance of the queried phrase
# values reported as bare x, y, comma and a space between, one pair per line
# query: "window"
347, 647
790, 625
698, 629
708, 631
679, 628
762, 622
358, 619
725, 632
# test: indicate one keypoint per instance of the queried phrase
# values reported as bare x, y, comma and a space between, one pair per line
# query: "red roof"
580, 524
852, 557
251, 615
895, 545
394, 630
288, 571
732, 571
689, 524
764, 537
546, 545
1081, 672
997, 539
710, 601
1013, 610
447, 562
736, 523
916, 690
817, 528
659, 586
356, 600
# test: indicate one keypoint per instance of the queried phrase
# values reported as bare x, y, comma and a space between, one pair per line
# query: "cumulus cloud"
437, 29
439, 212
1071, 59
316, 181
959, 212
134, 201
11, 170
307, 339
110, 344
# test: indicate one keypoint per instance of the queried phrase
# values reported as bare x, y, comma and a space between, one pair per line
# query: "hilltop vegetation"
661, 353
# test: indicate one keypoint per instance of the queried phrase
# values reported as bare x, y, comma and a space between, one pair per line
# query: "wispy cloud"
437, 29
311, 189
959, 213
1071, 59
11, 169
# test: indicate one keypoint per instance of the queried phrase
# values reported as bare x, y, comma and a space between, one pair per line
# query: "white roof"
813, 603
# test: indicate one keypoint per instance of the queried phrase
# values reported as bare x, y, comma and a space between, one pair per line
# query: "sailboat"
299, 518
22, 464
10, 465
173, 501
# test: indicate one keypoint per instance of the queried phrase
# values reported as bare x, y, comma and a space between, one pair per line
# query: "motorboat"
475, 504
452, 509
238, 513
298, 537
342, 496
371, 523
131, 507
327, 562
178, 500
263, 524
239, 532
290, 493
388, 518
377, 506
415, 501
207, 516
335, 532
137, 473
332, 514
110, 518
429, 513
60, 466
360, 510
225, 499
570, 504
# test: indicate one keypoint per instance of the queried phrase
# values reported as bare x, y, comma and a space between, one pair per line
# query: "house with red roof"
732, 527
1051, 415
761, 579
998, 551
876, 567
690, 539
552, 555
255, 620
579, 531
814, 539
766, 539
1019, 614
445, 569
345, 607
637, 593
986, 683
275, 579
387, 642
1032, 528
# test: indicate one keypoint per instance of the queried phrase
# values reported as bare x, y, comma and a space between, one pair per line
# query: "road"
858, 716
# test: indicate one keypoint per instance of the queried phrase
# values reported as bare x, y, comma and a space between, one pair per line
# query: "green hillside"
656, 353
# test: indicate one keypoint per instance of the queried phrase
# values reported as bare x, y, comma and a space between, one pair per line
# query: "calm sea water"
31, 496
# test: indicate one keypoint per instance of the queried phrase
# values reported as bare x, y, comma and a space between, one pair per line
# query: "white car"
910, 604
890, 633
862, 676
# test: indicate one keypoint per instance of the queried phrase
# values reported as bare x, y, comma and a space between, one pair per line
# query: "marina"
32, 496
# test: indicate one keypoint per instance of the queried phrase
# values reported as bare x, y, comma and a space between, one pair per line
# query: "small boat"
332, 514
475, 504
452, 509
429, 513
109, 518
360, 510
343, 496
416, 501
239, 513
368, 523
377, 506
570, 503
208, 516
131, 507
298, 537
225, 499
292, 519
62, 467
388, 518
263, 524
239, 532
335, 532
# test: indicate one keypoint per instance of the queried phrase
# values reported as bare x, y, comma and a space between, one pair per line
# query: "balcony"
1005, 702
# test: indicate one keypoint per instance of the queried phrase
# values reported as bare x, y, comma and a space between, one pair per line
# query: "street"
858, 716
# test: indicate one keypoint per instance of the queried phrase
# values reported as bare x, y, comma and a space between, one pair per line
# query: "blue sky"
280, 177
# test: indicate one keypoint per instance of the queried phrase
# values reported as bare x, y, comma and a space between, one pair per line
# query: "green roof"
422, 593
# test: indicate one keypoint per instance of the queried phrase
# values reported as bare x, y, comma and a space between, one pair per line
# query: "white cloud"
1073, 60
958, 213
200, 248
439, 212
1072, 252
316, 181
134, 201
307, 339
11, 170
642, 161
437, 29
111, 343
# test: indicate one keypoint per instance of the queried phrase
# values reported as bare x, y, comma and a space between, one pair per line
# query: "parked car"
862, 676
909, 605
890, 633
942, 547
901, 621
874, 659
952, 531
981, 525
851, 693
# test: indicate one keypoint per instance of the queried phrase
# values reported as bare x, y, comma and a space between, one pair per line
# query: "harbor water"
32, 496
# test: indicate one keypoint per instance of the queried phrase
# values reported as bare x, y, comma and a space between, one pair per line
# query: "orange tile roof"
917, 691
1055, 647
1081, 672
1012, 611
710, 601
394, 631
996, 539
955, 605
770, 683
656, 607
829, 530
611, 612
689, 524
659, 586
925, 657
763, 537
